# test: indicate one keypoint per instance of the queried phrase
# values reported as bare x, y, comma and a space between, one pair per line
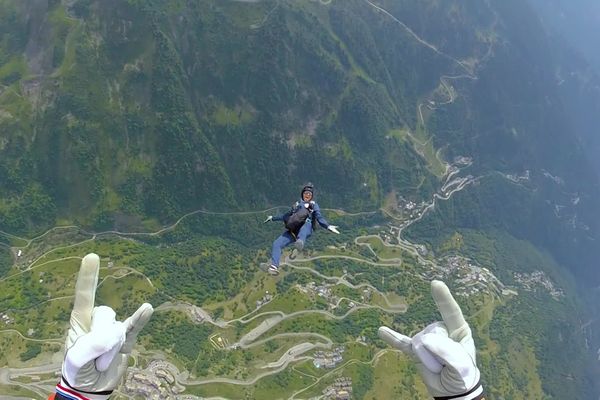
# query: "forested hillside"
127, 115
121, 109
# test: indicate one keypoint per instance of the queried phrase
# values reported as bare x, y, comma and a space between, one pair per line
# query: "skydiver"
300, 222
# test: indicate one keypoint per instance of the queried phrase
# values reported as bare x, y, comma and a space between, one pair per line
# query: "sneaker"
274, 270
299, 244
264, 266
293, 254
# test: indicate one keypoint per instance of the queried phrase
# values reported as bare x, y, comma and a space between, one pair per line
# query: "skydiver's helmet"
310, 189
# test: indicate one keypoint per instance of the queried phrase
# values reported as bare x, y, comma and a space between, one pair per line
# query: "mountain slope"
127, 115
148, 108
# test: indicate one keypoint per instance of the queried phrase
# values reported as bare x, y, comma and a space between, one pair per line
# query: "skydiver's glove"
269, 219
97, 346
444, 351
333, 229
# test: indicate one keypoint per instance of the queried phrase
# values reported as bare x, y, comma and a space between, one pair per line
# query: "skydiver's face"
307, 196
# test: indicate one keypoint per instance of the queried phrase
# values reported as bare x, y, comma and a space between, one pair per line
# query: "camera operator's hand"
444, 351
97, 345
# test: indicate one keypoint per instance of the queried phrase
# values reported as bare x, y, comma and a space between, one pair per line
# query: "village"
529, 282
323, 291
341, 389
155, 382
467, 278
329, 359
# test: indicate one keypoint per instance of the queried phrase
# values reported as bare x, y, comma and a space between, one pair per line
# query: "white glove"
444, 351
97, 346
269, 219
333, 229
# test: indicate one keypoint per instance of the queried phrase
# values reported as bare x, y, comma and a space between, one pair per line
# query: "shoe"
264, 266
299, 245
293, 254
274, 270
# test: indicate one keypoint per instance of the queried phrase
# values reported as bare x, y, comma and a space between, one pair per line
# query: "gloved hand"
97, 346
269, 219
333, 229
444, 351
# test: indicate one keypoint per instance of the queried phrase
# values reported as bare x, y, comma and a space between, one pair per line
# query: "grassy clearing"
422, 145
124, 291
281, 385
382, 250
395, 377
227, 116
289, 302
245, 301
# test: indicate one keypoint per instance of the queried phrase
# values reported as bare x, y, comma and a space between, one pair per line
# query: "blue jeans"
286, 239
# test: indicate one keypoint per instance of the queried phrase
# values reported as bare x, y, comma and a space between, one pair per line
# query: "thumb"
396, 340
135, 324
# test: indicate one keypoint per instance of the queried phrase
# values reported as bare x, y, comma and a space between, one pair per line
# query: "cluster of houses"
157, 381
536, 279
328, 359
6, 319
341, 389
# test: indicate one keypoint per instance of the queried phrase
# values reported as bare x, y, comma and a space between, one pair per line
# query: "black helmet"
308, 188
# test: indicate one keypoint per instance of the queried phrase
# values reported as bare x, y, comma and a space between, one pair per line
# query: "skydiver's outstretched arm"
281, 217
319, 217
322, 221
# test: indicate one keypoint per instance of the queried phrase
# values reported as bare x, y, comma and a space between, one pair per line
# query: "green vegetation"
185, 132
509, 334
6, 260
32, 350
178, 335
382, 250
125, 118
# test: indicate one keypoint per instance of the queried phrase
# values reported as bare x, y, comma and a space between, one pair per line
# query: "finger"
91, 346
135, 324
102, 317
104, 361
85, 293
396, 340
435, 327
429, 361
104, 320
448, 352
449, 309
